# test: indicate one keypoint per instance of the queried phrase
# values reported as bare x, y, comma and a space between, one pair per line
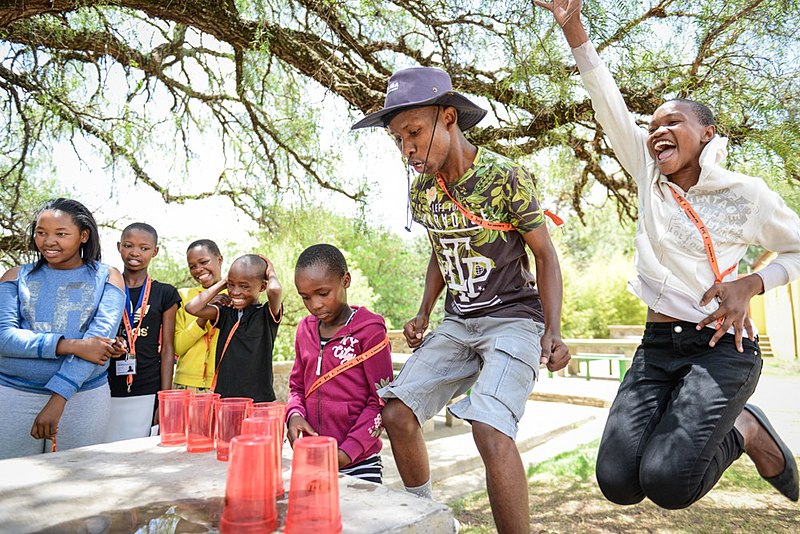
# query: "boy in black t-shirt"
247, 329
147, 332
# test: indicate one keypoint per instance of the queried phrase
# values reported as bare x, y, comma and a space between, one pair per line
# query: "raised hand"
221, 300
563, 10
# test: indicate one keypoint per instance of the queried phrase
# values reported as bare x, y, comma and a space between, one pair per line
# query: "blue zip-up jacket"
43, 306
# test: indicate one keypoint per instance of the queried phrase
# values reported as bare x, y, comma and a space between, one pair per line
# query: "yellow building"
776, 314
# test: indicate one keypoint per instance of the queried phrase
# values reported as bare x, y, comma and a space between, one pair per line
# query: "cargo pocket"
517, 374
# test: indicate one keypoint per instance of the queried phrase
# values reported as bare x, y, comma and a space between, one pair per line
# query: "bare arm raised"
199, 306
568, 15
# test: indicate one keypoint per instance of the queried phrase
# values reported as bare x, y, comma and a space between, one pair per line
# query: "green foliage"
170, 268
597, 262
597, 297
19, 201
387, 271
270, 87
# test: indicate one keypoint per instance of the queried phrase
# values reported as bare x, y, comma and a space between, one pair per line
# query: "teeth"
663, 145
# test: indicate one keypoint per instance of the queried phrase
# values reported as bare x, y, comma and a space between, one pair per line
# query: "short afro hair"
253, 263
206, 244
703, 113
323, 254
142, 227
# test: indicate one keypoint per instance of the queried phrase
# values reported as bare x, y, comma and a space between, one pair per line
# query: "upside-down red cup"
200, 424
172, 404
314, 488
249, 494
230, 412
270, 408
269, 425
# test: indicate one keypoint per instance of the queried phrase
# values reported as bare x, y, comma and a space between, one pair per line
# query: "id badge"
126, 366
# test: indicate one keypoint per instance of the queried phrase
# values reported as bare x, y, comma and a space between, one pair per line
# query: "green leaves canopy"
154, 85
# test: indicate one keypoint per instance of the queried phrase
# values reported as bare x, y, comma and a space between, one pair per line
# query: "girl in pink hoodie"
342, 357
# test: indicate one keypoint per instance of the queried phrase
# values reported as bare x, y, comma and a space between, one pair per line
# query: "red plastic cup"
230, 413
200, 425
172, 404
314, 489
271, 408
269, 425
249, 494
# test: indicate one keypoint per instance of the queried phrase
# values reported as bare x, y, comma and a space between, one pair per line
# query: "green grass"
577, 464
780, 367
564, 497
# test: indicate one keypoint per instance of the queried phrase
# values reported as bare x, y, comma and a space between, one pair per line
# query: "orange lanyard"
339, 369
133, 334
224, 348
207, 337
499, 226
707, 243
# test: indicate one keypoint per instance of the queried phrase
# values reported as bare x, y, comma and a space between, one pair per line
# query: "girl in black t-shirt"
148, 331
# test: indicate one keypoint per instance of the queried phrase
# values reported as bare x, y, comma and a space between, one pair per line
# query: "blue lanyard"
129, 309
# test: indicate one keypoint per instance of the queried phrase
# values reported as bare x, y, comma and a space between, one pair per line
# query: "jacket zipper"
339, 335
319, 392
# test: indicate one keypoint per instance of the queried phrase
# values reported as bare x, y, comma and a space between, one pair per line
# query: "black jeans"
670, 435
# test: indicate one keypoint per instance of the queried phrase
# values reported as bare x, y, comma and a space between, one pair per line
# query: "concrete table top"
46, 491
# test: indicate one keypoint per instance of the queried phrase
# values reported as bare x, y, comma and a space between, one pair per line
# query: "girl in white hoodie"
680, 417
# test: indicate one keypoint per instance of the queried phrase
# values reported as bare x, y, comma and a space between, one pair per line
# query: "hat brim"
468, 113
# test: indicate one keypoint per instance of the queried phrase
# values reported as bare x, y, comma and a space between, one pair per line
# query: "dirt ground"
741, 502
565, 498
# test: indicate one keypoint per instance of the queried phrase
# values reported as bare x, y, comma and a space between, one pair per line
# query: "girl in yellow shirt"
195, 338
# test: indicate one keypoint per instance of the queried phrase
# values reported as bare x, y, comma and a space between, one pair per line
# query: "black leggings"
670, 435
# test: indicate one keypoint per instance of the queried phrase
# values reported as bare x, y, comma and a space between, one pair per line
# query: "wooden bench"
622, 360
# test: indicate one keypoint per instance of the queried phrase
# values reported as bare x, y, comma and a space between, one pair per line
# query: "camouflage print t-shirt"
486, 272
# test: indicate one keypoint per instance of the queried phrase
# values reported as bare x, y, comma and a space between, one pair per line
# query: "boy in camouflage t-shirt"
480, 211
487, 271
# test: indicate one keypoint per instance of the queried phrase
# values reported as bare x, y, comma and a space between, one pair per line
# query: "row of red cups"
204, 421
250, 436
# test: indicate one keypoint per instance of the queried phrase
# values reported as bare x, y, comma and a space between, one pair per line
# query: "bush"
597, 297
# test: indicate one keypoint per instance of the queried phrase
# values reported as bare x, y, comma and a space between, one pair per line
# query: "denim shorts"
495, 359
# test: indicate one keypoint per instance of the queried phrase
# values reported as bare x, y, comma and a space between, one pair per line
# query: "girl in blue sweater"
58, 317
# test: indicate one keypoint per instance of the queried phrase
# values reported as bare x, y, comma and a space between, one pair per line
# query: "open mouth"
202, 278
664, 149
417, 165
50, 253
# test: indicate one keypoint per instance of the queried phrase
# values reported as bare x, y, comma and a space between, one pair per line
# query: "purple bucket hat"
422, 86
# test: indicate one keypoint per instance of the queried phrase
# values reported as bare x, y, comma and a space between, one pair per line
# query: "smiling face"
59, 239
245, 283
324, 292
137, 247
676, 139
412, 131
204, 266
